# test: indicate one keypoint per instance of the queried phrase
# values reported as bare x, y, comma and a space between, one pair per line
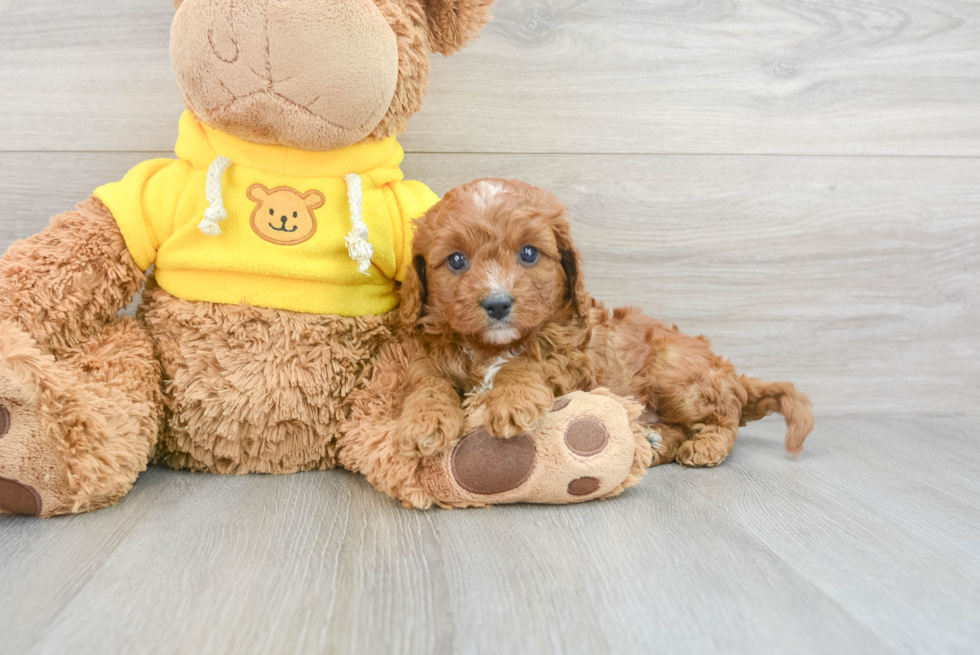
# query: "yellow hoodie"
232, 222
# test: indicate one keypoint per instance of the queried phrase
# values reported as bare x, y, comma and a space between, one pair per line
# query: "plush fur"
253, 389
370, 443
92, 397
61, 285
556, 337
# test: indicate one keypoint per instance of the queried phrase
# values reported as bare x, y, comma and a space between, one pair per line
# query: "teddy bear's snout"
321, 75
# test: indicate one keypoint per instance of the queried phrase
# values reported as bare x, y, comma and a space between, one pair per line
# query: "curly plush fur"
253, 389
370, 442
496, 239
89, 397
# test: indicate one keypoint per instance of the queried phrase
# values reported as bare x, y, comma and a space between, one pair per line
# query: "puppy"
495, 303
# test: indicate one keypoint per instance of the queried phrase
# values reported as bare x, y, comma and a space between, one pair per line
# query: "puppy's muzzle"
498, 305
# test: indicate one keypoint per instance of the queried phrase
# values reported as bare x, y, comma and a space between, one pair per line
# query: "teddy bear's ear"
454, 22
257, 193
313, 199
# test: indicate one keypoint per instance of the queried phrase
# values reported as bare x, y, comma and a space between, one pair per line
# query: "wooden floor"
799, 180
869, 543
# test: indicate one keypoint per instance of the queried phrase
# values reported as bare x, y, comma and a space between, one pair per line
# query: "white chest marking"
492, 371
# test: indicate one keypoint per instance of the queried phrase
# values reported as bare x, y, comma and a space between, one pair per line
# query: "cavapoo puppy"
496, 304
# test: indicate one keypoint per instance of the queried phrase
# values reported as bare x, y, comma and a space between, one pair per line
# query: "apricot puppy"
496, 304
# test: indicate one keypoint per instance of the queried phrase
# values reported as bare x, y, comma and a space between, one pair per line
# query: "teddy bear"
270, 254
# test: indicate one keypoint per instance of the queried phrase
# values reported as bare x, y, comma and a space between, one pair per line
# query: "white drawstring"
358, 246
216, 212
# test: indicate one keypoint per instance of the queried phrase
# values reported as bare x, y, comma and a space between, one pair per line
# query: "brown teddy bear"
278, 236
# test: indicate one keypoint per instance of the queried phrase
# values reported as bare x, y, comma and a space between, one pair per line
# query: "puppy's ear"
571, 263
414, 294
452, 23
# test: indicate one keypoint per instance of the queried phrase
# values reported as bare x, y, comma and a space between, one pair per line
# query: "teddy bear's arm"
70, 278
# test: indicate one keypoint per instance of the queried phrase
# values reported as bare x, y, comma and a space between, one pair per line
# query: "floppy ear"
454, 22
414, 293
571, 263
257, 193
313, 200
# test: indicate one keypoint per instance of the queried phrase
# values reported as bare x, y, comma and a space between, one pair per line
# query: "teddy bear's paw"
583, 450
29, 479
16, 497
33, 477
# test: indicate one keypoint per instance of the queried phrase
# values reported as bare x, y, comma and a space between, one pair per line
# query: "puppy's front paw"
513, 410
426, 432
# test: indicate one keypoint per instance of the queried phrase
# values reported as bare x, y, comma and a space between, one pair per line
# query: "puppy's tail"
764, 398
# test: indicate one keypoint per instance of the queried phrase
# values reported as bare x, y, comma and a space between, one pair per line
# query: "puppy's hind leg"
665, 439
696, 394
707, 445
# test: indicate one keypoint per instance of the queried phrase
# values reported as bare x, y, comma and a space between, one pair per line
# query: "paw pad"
485, 465
18, 498
4, 421
586, 436
583, 486
561, 403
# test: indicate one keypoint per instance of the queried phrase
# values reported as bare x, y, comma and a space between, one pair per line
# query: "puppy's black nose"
498, 305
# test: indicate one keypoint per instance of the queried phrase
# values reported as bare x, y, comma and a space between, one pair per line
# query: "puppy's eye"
457, 262
529, 255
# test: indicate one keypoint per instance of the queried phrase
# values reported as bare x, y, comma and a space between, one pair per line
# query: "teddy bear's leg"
76, 431
79, 386
591, 445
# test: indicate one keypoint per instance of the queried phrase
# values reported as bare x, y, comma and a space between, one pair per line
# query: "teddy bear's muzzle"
312, 75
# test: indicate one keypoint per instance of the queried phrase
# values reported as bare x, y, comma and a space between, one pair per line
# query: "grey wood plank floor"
641, 76
869, 543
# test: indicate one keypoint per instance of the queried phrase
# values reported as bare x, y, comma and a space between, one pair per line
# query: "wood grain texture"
663, 76
863, 545
857, 278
